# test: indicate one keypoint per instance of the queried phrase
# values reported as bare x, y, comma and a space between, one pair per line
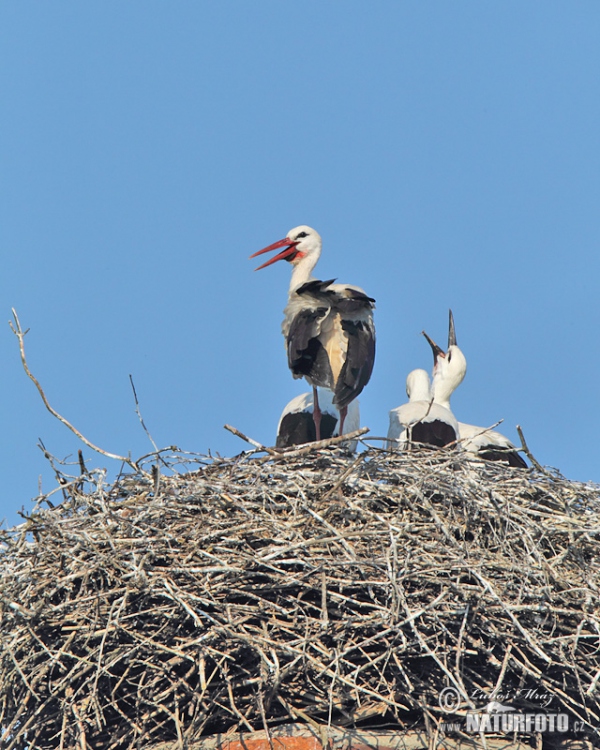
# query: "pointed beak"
437, 351
451, 332
290, 249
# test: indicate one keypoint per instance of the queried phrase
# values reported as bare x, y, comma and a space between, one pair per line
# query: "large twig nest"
324, 588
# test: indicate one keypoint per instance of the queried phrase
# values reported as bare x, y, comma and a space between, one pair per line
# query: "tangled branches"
333, 590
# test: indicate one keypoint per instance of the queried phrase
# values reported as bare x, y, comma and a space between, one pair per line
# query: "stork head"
417, 386
300, 243
449, 367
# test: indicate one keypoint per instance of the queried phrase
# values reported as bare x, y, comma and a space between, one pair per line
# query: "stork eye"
449, 356
302, 234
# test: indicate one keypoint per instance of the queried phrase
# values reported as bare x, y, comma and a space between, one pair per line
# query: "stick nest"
323, 588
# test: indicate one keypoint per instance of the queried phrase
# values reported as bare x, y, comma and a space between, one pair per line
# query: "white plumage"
421, 420
490, 445
482, 442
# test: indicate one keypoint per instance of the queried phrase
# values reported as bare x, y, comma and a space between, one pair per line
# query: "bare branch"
527, 452
256, 444
302, 450
138, 412
20, 334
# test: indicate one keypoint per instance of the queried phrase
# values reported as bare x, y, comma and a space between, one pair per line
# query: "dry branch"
20, 334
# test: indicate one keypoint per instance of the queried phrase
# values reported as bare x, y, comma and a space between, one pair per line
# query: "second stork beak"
290, 249
437, 351
451, 332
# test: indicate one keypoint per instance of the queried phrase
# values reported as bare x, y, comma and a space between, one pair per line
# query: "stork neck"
302, 272
442, 399
441, 390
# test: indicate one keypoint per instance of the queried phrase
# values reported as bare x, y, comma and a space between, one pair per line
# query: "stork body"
296, 424
451, 367
328, 327
490, 445
421, 420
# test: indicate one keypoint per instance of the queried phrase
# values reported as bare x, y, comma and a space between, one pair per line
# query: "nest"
335, 590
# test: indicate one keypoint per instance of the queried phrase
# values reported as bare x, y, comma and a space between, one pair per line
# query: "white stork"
449, 367
296, 425
328, 328
421, 420
479, 441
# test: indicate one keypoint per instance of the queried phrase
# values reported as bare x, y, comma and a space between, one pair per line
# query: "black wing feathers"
436, 433
358, 366
505, 455
316, 287
306, 356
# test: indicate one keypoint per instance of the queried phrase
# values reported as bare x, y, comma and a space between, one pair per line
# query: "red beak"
290, 249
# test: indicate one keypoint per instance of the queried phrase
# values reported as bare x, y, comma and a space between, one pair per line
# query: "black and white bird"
422, 420
490, 445
479, 441
296, 424
449, 367
328, 327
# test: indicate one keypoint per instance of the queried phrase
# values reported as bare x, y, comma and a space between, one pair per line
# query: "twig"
345, 475
60, 478
82, 469
482, 431
138, 412
256, 444
527, 452
20, 334
310, 447
155, 473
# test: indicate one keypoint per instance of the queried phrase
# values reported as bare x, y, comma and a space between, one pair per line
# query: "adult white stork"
328, 327
479, 441
296, 424
421, 420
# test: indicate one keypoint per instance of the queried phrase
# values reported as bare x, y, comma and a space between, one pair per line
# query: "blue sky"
448, 154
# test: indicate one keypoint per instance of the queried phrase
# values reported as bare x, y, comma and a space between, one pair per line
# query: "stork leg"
316, 414
343, 412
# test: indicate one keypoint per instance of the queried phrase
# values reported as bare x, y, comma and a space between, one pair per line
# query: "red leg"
316, 414
343, 412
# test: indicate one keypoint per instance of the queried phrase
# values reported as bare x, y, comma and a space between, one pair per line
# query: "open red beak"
290, 249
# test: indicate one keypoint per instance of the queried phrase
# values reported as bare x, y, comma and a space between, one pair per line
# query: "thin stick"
138, 412
344, 476
260, 446
20, 334
82, 469
309, 447
527, 452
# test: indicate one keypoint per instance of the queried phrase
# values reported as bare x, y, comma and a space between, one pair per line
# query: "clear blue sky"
448, 153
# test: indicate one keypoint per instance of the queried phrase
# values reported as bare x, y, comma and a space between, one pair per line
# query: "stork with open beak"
450, 368
328, 328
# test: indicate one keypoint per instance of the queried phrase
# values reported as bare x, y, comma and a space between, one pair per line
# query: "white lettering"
529, 722
473, 722
508, 722
540, 722
485, 724
518, 722
562, 723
